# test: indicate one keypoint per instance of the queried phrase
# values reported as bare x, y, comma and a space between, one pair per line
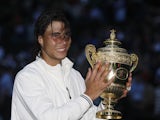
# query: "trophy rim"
109, 114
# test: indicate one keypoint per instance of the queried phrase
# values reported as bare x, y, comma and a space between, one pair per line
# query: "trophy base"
109, 114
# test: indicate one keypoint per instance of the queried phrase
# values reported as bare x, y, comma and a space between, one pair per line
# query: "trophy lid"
112, 53
112, 44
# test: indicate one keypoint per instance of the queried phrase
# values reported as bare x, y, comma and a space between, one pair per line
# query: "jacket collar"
66, 64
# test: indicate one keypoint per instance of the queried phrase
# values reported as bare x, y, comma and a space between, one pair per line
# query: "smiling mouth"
61, 49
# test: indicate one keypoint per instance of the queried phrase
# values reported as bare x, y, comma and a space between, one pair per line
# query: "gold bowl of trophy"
121, 63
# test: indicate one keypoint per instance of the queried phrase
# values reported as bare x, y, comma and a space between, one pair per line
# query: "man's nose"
62, 38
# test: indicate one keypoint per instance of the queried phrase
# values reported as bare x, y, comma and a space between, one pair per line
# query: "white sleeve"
91, 113
31, 99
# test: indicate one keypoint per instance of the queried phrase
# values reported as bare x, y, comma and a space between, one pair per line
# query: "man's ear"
40, 40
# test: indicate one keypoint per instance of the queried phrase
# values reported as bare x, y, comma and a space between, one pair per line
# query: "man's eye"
68, 34
55, 34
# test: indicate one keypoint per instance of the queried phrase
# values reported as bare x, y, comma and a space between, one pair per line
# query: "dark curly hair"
46, 18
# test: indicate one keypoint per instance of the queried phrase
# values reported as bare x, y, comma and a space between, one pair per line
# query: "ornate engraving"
121, 63
122, 73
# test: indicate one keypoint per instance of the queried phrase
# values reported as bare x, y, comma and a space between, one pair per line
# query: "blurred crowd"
137, 25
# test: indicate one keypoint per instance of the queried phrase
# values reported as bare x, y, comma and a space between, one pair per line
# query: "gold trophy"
121, 64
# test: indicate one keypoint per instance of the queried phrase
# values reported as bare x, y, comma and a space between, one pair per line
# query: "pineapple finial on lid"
112, 35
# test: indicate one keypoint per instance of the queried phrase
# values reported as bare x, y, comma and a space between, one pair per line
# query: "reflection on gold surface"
121, 64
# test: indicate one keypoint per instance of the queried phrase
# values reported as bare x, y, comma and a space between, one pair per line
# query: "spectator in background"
157, 95
6, 84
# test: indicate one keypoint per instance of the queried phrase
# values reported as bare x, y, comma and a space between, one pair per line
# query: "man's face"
55, 43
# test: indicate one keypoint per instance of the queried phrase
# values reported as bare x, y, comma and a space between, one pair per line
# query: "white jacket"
44, 92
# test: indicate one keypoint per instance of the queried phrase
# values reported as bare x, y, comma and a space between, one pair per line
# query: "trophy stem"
109, 112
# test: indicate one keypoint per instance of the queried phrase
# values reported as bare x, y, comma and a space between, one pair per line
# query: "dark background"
137, 25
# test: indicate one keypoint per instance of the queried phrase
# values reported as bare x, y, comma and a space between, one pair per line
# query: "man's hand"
128, 86
95, 80
96, 83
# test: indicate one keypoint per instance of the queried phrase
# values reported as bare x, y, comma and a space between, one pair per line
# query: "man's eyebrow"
55, 33
63, 32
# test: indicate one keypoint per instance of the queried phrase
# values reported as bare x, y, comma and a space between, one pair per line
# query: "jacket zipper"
68, 93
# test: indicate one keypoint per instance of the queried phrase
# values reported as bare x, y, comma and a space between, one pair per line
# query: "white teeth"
60, 50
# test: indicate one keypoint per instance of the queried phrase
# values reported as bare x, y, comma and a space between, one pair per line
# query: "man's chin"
61, 57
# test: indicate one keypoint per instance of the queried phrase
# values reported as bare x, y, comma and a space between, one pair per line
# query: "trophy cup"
121, 64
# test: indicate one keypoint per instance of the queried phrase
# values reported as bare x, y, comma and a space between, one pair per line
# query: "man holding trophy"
49, 88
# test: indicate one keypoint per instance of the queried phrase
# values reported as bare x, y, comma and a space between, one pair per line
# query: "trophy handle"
90, 51
134, 59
